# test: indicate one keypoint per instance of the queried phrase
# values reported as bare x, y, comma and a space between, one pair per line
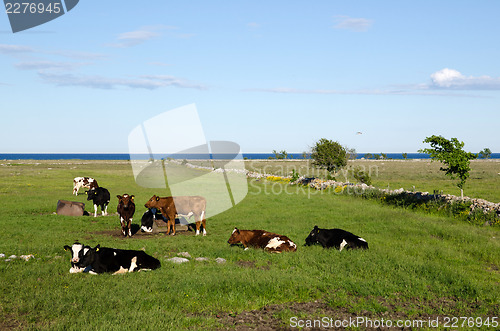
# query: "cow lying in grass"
99, 260
270, 242
337, 238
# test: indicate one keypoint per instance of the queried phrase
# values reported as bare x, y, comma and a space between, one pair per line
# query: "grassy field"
419, 175
418, 266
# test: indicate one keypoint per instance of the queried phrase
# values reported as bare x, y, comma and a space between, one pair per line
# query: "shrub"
361, 176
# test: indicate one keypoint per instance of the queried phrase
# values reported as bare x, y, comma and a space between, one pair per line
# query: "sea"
246, 156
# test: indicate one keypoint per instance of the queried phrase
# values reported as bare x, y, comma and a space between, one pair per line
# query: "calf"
126, 210
148, 218
85, 182
78, 251
186, 206
270, 242
100, 196
99, 259
337, 238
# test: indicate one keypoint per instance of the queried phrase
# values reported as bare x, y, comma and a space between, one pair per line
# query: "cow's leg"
133, 264
204, 221
172, 224
95, 210
129, 227
104, 210
198, 224
123, 225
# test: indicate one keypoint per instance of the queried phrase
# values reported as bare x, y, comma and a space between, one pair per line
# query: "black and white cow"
78, 251
337, 238
85, 182
99, 260
100, 197
149, 217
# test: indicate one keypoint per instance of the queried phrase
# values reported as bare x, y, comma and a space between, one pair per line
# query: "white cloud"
454, 80
43, 65
15, 49
253, 25
146, 82
141, 35
353, 24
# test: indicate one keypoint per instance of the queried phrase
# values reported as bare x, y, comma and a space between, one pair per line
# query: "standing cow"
85, 182
100, 197
337, 238
270, 242
126, 210
185, 206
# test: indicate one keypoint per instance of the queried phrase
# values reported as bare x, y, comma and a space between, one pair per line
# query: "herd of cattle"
103, 259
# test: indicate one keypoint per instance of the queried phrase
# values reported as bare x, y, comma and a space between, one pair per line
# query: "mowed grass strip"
413, 257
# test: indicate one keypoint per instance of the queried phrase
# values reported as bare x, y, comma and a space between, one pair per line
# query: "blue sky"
268, 75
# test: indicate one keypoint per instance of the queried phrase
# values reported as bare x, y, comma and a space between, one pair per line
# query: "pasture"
419, 266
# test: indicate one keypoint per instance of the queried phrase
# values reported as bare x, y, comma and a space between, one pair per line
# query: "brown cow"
186, 206
126, 210
270, 242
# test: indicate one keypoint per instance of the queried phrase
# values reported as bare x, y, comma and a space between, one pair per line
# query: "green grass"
417, 264
419, 175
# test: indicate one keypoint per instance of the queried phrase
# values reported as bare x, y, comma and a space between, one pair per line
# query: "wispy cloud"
351, 23
253, 25
15, 49
48, 65
445, 82
139, 36
452, 79
149, 82
387, 91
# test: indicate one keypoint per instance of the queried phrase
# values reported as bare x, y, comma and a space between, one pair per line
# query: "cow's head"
91, 194
153, 202
78, 252
313, 236
125, 200
235, 237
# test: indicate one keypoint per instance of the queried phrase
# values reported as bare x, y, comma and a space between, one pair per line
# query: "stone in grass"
202, 259
12, 257
220, 260
2, 256
178, 260
185, 254
27, 257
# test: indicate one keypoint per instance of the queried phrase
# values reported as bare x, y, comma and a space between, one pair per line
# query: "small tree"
485, 153
405, 156
450, 153
329, 155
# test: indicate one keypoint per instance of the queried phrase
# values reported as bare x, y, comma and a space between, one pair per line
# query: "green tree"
405, 156
451, 154
485, 153
329, 155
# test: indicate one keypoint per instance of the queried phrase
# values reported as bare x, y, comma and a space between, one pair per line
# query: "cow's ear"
157, 198
237, 230
132, 197
119, 197
67, 248
97, 247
